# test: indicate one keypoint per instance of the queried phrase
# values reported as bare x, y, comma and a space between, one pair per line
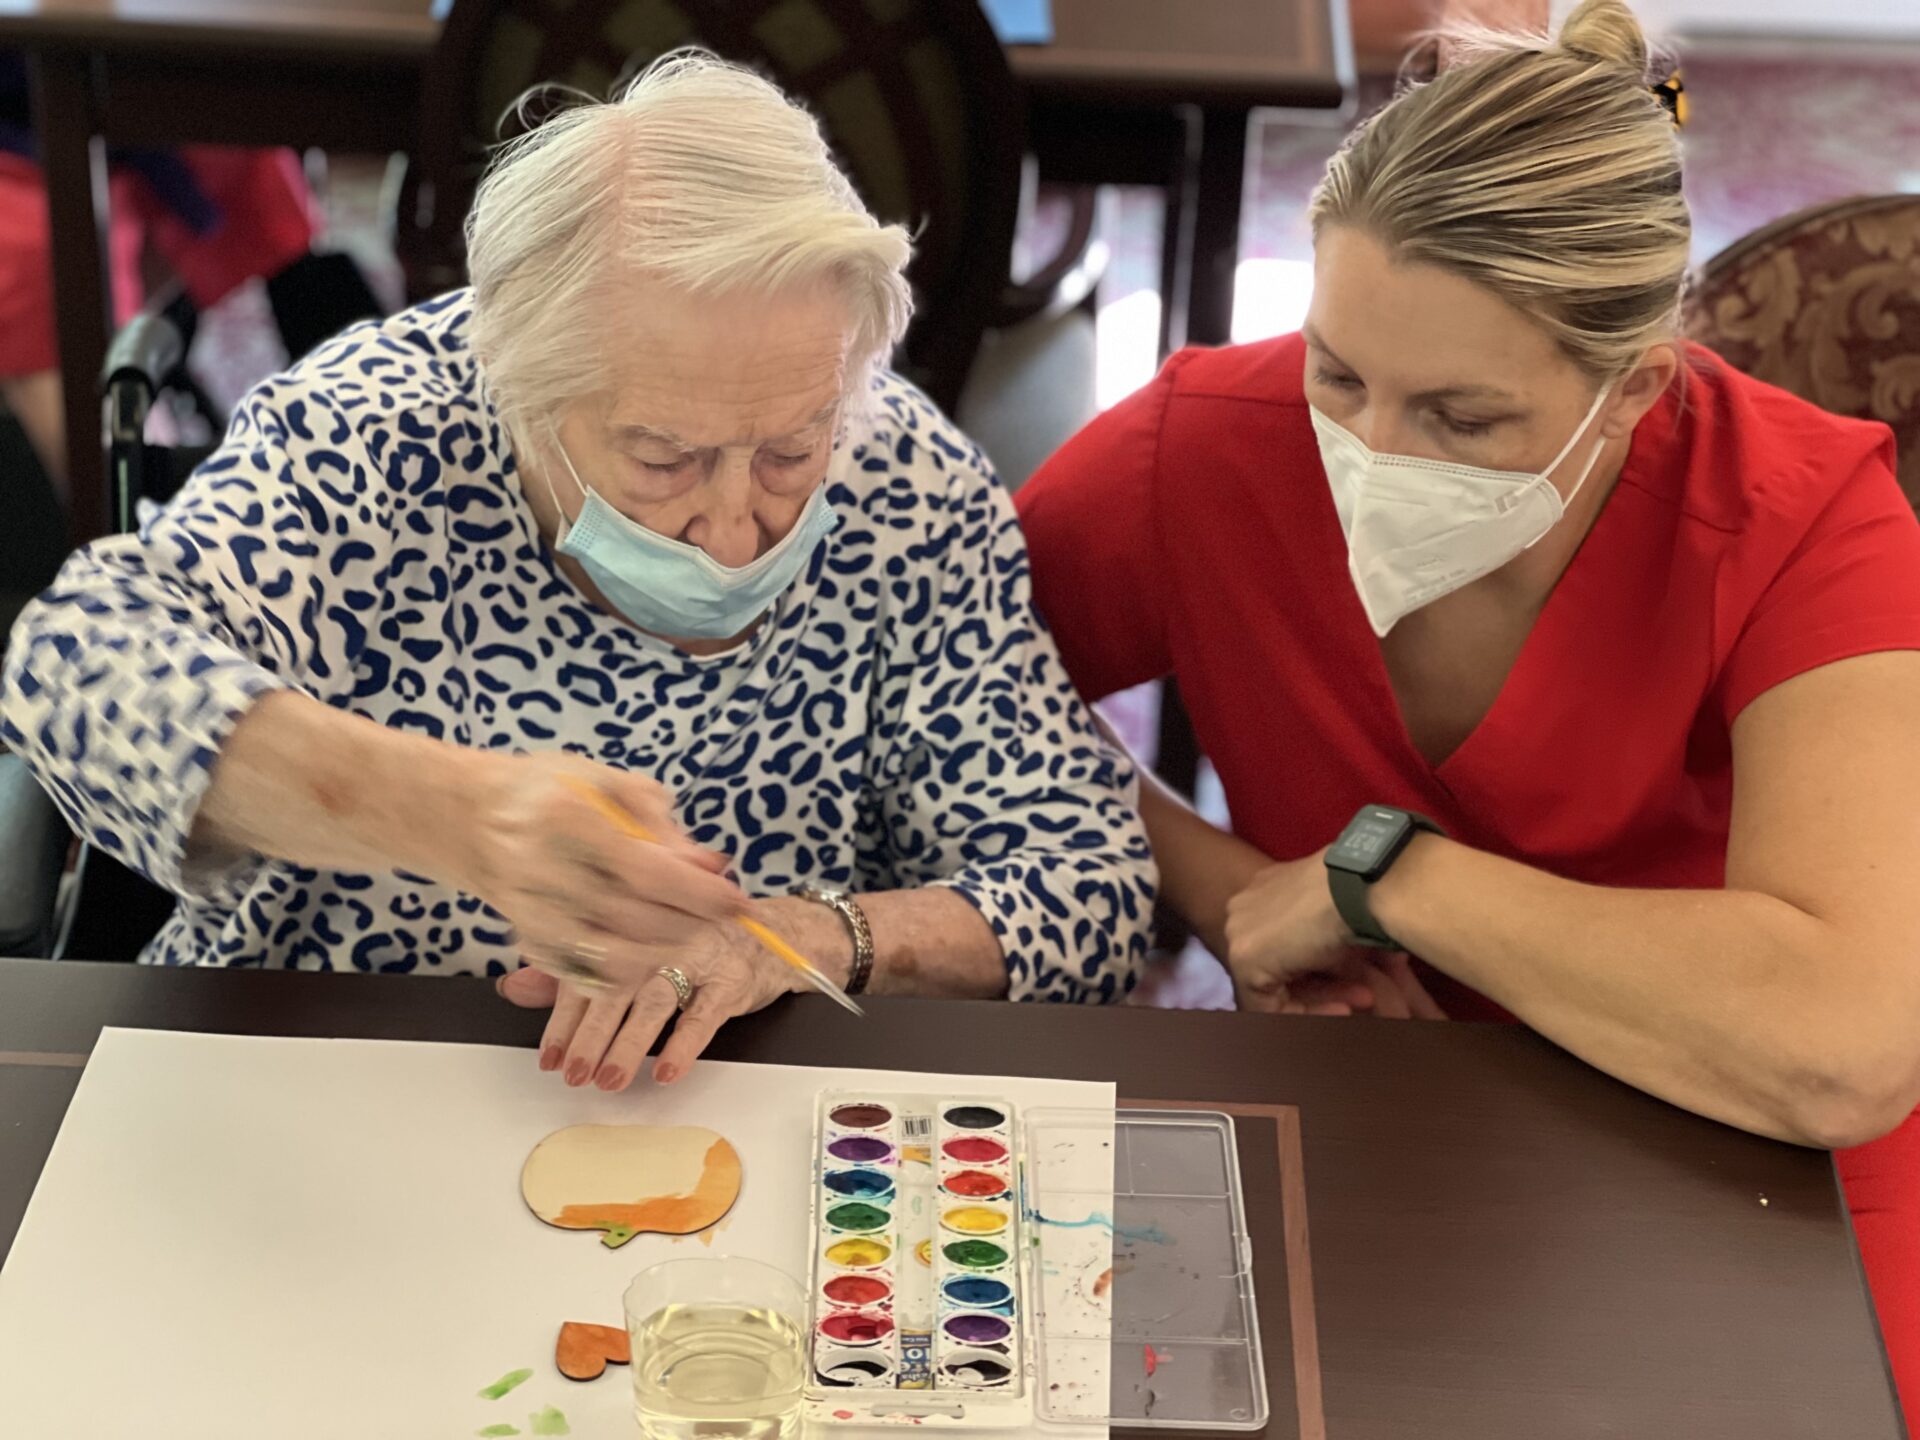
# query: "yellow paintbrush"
614, 812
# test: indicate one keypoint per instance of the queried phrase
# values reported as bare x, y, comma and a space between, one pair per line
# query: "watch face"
1369, 842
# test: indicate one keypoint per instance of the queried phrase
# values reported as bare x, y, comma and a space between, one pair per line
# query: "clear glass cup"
719, 1350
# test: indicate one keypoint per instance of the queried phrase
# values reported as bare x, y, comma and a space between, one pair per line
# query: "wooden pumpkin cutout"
628, 1180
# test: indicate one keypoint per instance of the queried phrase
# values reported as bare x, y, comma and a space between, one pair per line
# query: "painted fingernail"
666, 1074
577, 1072
611, 1077
550, 1058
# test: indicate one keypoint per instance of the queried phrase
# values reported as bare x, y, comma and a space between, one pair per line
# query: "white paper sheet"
241, 1237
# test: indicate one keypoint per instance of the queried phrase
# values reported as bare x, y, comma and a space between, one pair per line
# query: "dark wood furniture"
1133, 91
1504, 1244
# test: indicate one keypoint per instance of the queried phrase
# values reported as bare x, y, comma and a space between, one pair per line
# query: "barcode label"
916, 1127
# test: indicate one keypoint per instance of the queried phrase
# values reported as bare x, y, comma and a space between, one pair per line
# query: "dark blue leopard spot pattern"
902, 720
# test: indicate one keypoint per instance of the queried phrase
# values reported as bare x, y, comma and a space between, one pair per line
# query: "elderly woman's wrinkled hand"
587, 898
603, 1034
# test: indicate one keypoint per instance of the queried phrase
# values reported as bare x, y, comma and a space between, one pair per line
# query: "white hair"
700, 174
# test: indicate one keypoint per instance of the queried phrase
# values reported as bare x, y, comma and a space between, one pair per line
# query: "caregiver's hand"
582, 894
603, 1034
1382, 984
1283, 925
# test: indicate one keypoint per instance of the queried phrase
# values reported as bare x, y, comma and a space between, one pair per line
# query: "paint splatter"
496, 1432
509, 1381
843, 1414
923, 1252
548, 1422
916, 1154
1151, 1358
1103, 1283
1141, 1235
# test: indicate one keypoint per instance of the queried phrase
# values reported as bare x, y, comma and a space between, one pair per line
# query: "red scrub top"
1751, 537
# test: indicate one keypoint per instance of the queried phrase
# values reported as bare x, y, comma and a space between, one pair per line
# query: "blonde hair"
1542, 169
699, 173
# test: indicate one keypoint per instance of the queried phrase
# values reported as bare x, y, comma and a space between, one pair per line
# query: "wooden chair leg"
1177, 762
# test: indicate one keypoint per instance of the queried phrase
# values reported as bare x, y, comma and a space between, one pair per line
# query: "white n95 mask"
1418, 529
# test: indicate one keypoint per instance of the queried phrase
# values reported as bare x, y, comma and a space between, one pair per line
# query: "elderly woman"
633, 525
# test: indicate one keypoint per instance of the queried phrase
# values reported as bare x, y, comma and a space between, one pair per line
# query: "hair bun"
1605, 31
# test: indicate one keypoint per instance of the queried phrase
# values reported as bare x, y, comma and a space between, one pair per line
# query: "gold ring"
682, 986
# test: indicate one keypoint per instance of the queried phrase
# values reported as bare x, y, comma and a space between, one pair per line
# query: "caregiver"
1609, 646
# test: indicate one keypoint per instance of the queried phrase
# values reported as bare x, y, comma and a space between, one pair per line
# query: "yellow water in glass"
975, 1220
858, 1254
703, 1372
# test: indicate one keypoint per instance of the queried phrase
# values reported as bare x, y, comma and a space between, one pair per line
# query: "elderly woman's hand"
603, 1034
585, 896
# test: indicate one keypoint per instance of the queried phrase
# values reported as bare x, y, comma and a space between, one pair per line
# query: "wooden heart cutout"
584, 1351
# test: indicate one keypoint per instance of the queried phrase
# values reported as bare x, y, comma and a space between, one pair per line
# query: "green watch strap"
1350, 898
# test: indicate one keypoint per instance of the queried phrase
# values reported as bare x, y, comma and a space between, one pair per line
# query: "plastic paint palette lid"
1142, 1300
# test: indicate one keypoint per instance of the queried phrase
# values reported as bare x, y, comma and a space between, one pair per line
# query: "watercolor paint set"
989, 1271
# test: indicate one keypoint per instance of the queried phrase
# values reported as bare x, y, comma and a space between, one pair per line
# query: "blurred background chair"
920, 107
1826, 303
103, 910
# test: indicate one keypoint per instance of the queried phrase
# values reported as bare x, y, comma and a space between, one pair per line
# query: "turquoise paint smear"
1133, 1235
509, 1381
548, 1422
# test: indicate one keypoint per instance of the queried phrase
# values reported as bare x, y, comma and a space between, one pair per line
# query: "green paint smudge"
506, 1382
548, 1422
495, 1432
614, 1236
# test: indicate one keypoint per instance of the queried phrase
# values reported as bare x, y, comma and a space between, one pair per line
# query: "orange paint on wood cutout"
583, 1351
628, 1180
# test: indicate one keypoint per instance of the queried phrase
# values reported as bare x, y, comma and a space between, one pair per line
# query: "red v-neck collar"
1494, 741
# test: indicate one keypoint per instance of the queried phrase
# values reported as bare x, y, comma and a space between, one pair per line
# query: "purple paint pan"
978, 1329
860, 1149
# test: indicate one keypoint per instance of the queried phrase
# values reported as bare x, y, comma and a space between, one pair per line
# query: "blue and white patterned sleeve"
124, 680
995, 782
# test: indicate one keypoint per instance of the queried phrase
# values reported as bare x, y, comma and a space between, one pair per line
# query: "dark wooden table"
1504, 1244
1133, 91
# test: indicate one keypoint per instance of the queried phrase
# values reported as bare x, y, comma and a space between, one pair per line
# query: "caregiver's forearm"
1201, 866
925, 942
303, 782
1733, 1004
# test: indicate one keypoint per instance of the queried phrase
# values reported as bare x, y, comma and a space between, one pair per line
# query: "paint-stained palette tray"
985, 1270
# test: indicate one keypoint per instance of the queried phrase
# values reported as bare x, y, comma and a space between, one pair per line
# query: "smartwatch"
1364, 852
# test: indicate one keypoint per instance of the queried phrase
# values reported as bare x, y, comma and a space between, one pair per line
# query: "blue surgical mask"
675, 589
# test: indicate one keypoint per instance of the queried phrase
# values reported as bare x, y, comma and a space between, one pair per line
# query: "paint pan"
974, 1117
973, 1184
975, 1254
857, 1292
975, 1219
847, 1368
976, 1292
861, 1149
976, 1368
863, 1184
857, 1328
975, 1150
973, 1328
859, 1252
859, 1217
860, 1115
